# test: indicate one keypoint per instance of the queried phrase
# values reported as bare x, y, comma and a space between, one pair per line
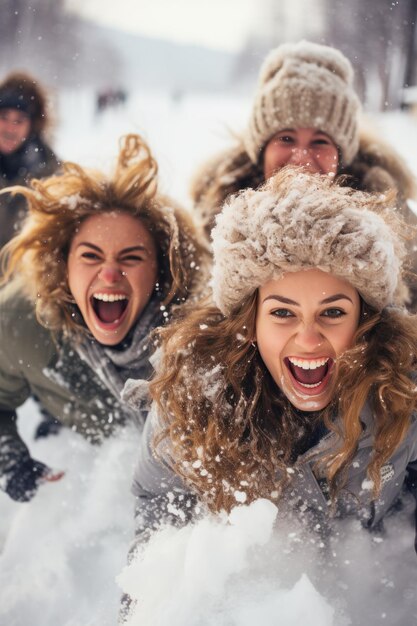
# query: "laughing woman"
99, 263
299, 385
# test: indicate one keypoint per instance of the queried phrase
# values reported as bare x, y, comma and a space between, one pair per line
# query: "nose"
110, 274
300, 156
309, 338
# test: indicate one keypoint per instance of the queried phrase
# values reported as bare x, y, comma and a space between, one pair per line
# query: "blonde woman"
99, 263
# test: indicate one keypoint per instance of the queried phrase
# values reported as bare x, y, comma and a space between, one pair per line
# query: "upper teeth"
310, 364
110, 297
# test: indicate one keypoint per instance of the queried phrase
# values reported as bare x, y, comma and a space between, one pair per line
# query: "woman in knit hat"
100, 262
24, 152
298, 385
306, 113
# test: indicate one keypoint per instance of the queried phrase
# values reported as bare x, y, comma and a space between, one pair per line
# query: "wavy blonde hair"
59, 204
228, 428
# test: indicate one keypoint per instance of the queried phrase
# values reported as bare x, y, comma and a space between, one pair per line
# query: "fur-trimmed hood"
378, 167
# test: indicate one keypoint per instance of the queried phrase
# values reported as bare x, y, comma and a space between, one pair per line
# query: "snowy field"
60, 555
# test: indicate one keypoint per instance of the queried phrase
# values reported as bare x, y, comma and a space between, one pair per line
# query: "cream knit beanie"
302, 221
305, 85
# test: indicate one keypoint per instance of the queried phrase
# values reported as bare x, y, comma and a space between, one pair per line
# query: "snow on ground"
64, 548
61, 553
259, 567
211, 587
181, 133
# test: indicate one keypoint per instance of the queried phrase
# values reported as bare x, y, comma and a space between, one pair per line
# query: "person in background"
298, 384
305, 112
24, 152
100, 262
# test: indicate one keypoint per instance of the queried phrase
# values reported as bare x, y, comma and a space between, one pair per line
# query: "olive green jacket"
34, 362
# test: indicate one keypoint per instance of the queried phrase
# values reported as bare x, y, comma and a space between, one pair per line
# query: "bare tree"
42, 37
378, 37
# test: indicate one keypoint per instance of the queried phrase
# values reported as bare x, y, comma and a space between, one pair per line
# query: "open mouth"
108, 307
310, 375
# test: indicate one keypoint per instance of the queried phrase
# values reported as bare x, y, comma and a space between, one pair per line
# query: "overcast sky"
214, 23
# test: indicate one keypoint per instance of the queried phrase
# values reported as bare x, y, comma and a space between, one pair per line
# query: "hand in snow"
52, 476
24, 478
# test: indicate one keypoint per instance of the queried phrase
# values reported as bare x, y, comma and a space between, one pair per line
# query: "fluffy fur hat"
305, 85
301, 221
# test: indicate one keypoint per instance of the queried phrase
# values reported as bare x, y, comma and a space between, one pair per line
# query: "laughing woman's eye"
282, 313
90, 256
334, 313
285, 139
132, 258
321, 141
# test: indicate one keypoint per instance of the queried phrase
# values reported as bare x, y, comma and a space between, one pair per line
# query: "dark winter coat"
162, 495
34, 362
376, 168
34, 159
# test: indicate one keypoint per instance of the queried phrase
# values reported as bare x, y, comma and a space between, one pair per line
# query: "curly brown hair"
59, 204
229, 428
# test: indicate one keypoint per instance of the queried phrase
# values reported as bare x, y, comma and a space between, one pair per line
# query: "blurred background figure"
24, 153
109, 98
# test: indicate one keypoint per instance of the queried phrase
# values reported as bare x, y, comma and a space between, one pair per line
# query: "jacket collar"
325, 444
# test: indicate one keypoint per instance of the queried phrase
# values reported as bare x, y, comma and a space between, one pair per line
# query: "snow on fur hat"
305, 85
302, 221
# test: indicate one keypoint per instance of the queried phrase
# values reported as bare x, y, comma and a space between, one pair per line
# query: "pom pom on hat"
302, 221
305, 85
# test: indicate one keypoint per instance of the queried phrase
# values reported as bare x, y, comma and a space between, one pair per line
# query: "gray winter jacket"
162, 495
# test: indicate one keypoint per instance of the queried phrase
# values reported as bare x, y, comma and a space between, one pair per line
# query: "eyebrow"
337, 296
124, 251
133, 249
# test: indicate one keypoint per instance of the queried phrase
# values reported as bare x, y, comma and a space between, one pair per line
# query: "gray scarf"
115, 365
